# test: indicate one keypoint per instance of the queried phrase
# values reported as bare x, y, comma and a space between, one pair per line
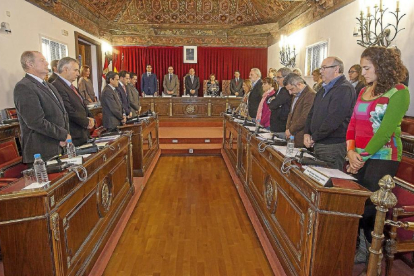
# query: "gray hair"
257, 72
285, 71
338, 62
64, 62
293, 79
27, 56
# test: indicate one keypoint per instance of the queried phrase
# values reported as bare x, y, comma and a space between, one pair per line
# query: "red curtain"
222, 61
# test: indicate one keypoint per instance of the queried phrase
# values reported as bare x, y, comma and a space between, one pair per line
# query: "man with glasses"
170, 83
329, 117
149, 84
255, 95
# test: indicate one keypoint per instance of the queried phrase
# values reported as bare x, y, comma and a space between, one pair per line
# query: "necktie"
237, 81
51, 91
76, 92
170, 77
192, 79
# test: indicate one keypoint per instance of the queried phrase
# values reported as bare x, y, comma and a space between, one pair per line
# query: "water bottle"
40, 169
290, 146
70, 148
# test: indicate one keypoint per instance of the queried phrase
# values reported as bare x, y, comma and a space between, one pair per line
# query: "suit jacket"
42, 117
52, 77
133, 96
358, 88
237, 87
77, 111
123, 96
279, 105
255, 96
297, 117
195, 85
170, 85
111, 108
149, 84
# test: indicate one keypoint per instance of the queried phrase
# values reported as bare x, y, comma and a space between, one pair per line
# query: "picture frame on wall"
190, 54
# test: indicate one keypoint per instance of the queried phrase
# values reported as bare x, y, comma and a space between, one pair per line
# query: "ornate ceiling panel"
184, 22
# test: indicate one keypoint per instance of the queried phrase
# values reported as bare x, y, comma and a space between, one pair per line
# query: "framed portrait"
190, 54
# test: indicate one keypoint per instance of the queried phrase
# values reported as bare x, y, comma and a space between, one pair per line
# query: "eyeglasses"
351, 72
323, 68
280, 78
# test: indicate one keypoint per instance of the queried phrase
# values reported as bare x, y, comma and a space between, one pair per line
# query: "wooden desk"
189, 107
62, 229
312, 229
145, 143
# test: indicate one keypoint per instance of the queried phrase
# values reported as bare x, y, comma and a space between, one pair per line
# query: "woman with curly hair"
373, 136
263, 112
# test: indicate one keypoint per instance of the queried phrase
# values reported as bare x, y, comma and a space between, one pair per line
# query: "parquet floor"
189, 221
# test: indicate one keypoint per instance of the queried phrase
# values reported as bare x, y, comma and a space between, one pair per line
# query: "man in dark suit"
299, 110
44, 123
192, 83
122, 89
112, 112
80, 119
133, 95
171, 83
236, 85
149, 82
53, 64
256, 92
279, 104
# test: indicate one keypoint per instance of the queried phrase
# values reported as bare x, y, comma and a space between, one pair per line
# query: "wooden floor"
189, 221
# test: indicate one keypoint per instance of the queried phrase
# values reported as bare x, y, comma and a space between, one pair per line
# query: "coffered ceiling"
186, 22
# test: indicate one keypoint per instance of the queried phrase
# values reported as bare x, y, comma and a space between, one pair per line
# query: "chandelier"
373, 28
287, 52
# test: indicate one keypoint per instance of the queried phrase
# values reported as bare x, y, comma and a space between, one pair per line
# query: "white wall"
337, 29
27, 23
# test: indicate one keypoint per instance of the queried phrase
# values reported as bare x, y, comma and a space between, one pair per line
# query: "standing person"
242, 109
329, 117
255, 95
86, 86
213, 88
80, 119
373, 136
263, 112
53, 64
317, 78
149, 84
123, 92
44, 123
112, 112
356, 78
297, 71
279, 104
236, 85
299, 110
192, 83
171, 83
133, 95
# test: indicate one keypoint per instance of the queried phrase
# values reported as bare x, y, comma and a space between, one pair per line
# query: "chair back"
225, 87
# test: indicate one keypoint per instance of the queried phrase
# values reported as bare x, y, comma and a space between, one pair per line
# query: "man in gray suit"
44, 123
133, 95
112, 112
236, 85
170, 83
192, 83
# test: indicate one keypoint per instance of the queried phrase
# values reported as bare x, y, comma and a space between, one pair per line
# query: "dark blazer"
358, 88
52, 77
123, 96
236, 87
77, 111
255, 96
42, 117
111, 108
149, 84
133, 96
195, 85
297, 117
279, 105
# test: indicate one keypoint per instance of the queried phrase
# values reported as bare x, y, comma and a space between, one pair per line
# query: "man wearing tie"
44, 123
170, 83
122, 89
149, 82
80, 119
112, 112
133, 95
236, 85
192, 83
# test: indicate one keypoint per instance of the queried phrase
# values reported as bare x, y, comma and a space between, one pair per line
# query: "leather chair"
407, 125
11, 113
11, 165
225, 87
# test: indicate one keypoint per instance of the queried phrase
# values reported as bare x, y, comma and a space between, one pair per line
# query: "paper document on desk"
36, 186
76, 160
239, 121
267, 136
333, 173
282, 150
107, 138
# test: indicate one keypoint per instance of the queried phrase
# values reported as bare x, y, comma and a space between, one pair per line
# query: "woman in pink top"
263, 112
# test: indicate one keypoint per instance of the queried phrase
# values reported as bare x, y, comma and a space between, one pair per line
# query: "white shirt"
36, 78
65, 80
113, 88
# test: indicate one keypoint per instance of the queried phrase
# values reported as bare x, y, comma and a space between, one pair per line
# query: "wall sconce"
287, 52
372, 28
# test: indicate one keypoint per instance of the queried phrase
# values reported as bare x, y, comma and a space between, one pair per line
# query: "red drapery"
222, 61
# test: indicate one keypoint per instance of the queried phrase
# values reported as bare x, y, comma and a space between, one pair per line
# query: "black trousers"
368, 177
